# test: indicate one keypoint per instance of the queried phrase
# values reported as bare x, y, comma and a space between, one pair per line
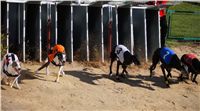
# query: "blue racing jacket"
166, 54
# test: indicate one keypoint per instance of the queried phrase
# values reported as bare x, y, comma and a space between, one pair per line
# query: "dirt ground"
87, 87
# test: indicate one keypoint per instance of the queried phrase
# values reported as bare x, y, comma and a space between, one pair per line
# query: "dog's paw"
167, 83
16, 87
110, 75
117, 77
36, 72
123, 76
57, 80
127, 75
152, 73
195, 81
63, 74
19, 88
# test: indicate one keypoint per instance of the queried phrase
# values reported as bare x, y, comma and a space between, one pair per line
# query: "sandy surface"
88, 88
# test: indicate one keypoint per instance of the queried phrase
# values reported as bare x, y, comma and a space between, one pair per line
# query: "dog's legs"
155, 60
117, 72
191, 76
16, 82
111, 63
13, 82
194, 79
163, 70
57, 79
58, 75
5, 77
61, 71
152, 67
47, 70
124, 70
169, 72
113, 57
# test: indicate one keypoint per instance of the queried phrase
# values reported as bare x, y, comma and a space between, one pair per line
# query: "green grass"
185, 6
176, 43
185, 24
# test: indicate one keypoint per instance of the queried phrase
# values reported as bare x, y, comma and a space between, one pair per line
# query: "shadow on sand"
26, 75
138, 80
157, 81
132, 80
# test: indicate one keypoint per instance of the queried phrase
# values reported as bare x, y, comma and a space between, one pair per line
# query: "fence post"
7, 27
24, 29
87, 35
40, 37
56, 25
131, 21
117, 32
72, 59
102, 39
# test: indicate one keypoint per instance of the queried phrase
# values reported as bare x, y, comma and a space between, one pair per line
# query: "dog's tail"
156, 56
112, 53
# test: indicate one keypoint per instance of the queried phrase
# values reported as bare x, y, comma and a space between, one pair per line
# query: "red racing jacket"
159, 2
189, 57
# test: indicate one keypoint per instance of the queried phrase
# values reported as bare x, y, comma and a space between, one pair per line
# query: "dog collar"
8, 74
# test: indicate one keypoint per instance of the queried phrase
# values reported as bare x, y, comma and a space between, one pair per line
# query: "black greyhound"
193, 65
123, 57
168, 60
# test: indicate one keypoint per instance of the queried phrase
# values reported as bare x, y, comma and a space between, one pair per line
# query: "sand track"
88, 88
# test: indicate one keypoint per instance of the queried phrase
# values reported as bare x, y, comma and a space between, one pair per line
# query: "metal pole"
24, 29
19, 24
40, 37
132, 39
159, 32
72, 59
49, 10
7, 28
145, 36
117, 33
110, 30
48, 27
87, 36
56, 25
102, 39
